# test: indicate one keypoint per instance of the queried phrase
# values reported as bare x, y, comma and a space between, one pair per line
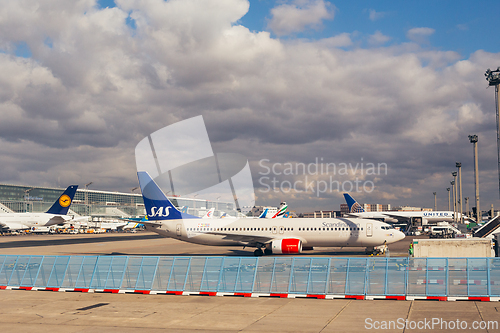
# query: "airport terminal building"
98, 204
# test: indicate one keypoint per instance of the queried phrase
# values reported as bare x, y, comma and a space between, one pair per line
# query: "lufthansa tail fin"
354, 206
157, 205
61, 206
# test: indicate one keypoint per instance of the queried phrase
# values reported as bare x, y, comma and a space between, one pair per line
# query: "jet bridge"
489, 228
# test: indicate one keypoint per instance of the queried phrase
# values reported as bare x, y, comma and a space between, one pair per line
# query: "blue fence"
390, 276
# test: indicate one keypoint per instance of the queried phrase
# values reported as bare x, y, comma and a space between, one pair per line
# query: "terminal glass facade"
22, 198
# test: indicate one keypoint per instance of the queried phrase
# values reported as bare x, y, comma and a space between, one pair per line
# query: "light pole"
460, 195
449, 198
435, 201
493, 78
467, 205
27, 198
87, 198
473, 139
455, 196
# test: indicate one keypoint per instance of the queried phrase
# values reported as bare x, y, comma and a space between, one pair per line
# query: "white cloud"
299, 15
419, 35
378, 38
374, 15
342, 40
87, 100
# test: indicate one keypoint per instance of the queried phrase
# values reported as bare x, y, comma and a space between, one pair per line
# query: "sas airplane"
55, 215
355, 210
284, 236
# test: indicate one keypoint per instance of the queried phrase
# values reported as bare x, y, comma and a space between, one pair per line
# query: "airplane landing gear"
377, 250
258, 253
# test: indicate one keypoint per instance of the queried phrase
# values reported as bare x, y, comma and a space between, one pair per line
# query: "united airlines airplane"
55, 215
355, 210
277, 236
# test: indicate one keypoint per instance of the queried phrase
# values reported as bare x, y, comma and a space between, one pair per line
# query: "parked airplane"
264, 213
55, 215
209, 214
286, 236
281, 211
355, 210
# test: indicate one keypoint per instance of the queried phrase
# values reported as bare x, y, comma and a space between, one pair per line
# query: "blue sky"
394, 82
460, 26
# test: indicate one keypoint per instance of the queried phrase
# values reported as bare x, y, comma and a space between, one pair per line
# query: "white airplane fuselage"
19, 221
429, 217
312, 232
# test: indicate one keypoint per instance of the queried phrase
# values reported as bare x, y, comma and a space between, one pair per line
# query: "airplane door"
369, 229
281, 230
274, 230
179, 229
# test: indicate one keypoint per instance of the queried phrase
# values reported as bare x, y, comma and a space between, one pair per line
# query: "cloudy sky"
284, 83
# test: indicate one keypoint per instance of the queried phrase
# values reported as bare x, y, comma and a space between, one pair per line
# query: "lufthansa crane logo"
64, 200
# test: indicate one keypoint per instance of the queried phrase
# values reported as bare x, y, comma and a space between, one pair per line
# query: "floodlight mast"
473, 139
455, 196
493, 78
449, 200
460, 194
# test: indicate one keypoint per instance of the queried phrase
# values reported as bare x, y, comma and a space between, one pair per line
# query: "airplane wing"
396, 216
57, 219
146, 222
250, 240
350, 215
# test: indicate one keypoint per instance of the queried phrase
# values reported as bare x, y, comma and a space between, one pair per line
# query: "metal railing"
389, 276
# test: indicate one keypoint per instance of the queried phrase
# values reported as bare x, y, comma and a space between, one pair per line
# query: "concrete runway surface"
149, 243
38, 311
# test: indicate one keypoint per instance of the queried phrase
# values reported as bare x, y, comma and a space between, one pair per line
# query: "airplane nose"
399, 235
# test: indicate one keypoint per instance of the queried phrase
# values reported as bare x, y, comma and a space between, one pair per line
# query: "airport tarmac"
39, 311
149, 243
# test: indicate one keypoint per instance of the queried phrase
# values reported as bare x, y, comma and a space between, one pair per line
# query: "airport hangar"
94, 203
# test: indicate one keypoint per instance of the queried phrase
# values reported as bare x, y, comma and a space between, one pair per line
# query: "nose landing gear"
376, 250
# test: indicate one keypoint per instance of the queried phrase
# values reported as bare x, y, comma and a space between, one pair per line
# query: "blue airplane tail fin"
354, 206
158, 206
263, 215
61, 206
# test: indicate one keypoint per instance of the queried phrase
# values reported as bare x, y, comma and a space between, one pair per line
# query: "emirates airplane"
277, 236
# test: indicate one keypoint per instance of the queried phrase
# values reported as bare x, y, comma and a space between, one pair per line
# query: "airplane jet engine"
286, 246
